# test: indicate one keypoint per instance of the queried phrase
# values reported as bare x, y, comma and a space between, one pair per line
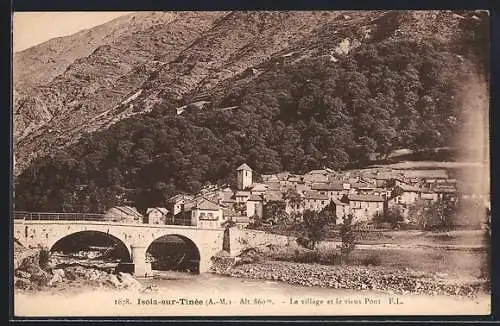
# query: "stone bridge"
135, 237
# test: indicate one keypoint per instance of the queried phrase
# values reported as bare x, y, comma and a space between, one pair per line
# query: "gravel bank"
405, 282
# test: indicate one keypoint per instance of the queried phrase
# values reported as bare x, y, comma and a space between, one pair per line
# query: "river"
181, 294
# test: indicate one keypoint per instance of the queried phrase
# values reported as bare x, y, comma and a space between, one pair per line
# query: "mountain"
180, 98
62, 84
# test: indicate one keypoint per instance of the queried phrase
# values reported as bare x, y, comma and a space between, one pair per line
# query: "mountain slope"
96, 83
305, 90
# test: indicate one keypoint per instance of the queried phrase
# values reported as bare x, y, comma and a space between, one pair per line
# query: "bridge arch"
203, 243
91, 238
173, 251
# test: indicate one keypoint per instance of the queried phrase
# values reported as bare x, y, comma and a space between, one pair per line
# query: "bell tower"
244, 176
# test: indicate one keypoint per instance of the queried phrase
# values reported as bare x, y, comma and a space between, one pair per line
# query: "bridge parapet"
39, 216
101, 223
47, 216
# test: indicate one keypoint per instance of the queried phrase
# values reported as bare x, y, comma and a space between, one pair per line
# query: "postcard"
251, 163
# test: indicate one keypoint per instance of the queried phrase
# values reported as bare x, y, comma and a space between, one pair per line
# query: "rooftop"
259, 187
361, 185
323, 171
369, 198
407, 187
227, 196
255, 197
283, 175
445, 189
180, 197
162, 210
208, 205
244, 167
328, 186
128, 210
314, 195
242, 194
273, 196
268, 177
294, 178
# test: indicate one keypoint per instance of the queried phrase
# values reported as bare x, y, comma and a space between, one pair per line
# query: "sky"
32, 28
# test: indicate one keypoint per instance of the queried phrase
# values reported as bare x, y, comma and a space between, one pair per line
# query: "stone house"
429, 195
302, 187
241, 196
273, 186
254, 206
315, 201
156, 215
295, 179
282, 176
331, 189
269, 178
176, 203
364, 207
276, 196
341, 209
258, 189
446, 192
404, 196
226, 198
316, 176
206, 214
362, 188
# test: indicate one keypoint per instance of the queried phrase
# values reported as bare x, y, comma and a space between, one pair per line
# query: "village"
363, 193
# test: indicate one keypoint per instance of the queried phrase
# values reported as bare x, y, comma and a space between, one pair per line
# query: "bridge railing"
38, 216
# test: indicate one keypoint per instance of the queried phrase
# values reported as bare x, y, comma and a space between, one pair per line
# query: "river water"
181, 294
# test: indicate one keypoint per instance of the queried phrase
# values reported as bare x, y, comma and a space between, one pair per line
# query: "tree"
330, 212
439, 214
348, 236
392, 216
315, 227
255, 222
274, 212
445, 212
296, 201
419, 212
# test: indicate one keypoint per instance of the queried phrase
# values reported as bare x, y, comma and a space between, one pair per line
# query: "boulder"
22, 274
113, 280
129, 281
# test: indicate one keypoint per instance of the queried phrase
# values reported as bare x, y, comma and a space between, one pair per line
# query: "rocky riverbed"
392, 281
36, 270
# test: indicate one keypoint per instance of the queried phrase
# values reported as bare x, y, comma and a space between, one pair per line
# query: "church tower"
244, 176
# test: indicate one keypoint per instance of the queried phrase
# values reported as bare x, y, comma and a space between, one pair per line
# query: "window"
210, 215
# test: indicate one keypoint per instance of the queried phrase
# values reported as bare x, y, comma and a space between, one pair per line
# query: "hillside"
308, 89
122, 54
38, 66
